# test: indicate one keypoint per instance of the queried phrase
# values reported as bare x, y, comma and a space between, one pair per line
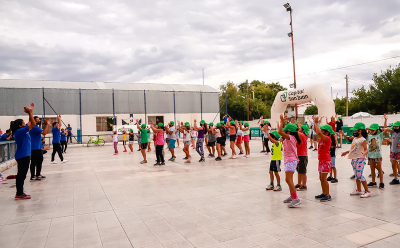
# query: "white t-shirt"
193, 133
186, 135
115, 137
239, 132
173, 130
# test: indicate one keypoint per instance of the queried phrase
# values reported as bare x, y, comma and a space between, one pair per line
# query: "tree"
311, 110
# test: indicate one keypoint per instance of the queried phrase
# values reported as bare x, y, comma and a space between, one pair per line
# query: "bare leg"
289, 181
278, 178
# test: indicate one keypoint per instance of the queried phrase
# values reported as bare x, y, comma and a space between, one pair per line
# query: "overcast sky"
171, 41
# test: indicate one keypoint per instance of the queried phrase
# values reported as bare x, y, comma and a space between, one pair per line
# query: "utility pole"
347, 95
252, 89
248, 105
203, 76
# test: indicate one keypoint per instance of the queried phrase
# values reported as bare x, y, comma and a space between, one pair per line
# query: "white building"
301, 108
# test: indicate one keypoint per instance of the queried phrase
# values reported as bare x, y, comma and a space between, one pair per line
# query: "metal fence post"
113, 108
44, 109
145, 109
8, 151
80, 113
201, 105
174, 109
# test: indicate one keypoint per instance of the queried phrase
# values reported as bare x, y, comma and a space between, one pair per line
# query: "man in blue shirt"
56, 141
36, 149
69, 132
6, 136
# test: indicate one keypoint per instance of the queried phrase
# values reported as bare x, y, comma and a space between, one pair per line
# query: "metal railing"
7, 150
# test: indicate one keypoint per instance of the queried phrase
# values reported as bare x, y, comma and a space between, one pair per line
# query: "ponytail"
364, 133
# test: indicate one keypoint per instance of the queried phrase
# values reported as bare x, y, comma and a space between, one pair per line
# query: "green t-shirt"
145, 139
374, 145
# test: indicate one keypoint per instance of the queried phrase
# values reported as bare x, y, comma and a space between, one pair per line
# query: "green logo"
284, 96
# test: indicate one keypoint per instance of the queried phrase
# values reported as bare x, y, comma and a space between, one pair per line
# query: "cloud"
172, 41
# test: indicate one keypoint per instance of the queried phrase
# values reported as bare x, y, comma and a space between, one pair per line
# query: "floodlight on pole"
290, 34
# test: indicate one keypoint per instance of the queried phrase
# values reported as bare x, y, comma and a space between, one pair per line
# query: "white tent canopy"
361, 115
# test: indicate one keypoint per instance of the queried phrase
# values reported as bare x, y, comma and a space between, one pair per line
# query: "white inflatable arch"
315, 93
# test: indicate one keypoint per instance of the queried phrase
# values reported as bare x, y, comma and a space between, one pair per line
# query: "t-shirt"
395, 142
239, 132
193, 133
262, 129
123, 136
290, 149
232, 130
115, 137
144, 137
69, 130
339, 125
374, 145
302, 148
356, 148
226, 119
333, 125
131, 137
324, 147
36, 138
56, 135
227, 133
186, 135
276, 151
247, 132
160, 138
172, 136
23, 141
217, 133
63, 137
4, 137
211, 137
200, 132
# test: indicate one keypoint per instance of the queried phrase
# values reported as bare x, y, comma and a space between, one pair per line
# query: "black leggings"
56, 149
64, 146
159, 153
36, 162
266, 144
23, 167
70, 138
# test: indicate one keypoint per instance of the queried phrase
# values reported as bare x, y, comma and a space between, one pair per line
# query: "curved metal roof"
25, 83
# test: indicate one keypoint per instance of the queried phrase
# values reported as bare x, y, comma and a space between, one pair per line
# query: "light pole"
289, 8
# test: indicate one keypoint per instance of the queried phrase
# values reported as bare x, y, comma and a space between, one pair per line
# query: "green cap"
143, 125
358, 126
305, 128
339, 117
131, 130
246, 124
232, 122
276, 134
202, 121
374, 127
187, 124
241, 122
327, 128
218, 124
265, 122
211, 124
160, 124
172, 122
290, 127
396, 124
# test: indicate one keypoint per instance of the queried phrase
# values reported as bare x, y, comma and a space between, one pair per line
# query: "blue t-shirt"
23, 141
36, 138
56, 135
69, 130
226, 119
63, 137
4, 137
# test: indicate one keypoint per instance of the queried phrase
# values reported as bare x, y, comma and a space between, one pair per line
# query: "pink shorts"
325, 166
239, 140
246, 138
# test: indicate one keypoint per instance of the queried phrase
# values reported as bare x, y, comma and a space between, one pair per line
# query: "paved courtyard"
100, 200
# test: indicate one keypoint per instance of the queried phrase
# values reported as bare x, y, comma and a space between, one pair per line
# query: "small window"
104, 124
292, 108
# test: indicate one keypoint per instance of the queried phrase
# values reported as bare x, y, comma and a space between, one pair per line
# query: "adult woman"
200, 138
232, 135
159, 132
246, 138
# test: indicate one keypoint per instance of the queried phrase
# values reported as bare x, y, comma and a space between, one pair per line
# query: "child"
149, 140
303, 159
291, 136
63, 141
224, 134
357, 154
185, 129
246, 138
56, 141
239, 139
200, 138
326, 135
170, 130
143, 133
219, 132
395, 152
211, 140
276, 157
193, 135
115, 140
131, 139
139, 136
232, 136
333, 157
124, 139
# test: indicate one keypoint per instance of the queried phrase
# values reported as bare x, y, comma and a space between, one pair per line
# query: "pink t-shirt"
160, 139
290, 150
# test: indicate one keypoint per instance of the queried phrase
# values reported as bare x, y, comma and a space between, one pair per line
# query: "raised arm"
195, 128
29, 110
318, 130
46, 127
266, 130
138, 126
280, 131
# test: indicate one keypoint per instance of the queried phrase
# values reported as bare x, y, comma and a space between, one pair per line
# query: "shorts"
275, 166
325, 166
302, 165
193, 138
315, 137
239, 140
139, 141
395, 156
246, 138
291, 166
124, 142
171, 144
130, 142
167, 140
232, 137
375, 160
211, 143
143, 146
333, 162
186, 143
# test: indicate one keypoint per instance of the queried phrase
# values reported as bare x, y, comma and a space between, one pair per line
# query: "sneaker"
202, 160
270, 187
334, 180
64, 161
381, 185
356, 192
125, 150
297, 186
173, 159
329, 178
138, 150
212, 156
223, 155
22, 197
326, 198
34, 179
311, 147
352, 177
161, 164
41, 177
294, 203
302, 188
115, 153
371, 184
315, 149
185, 158
209, 155
370, 175
394, 181
218, 159
278, 188
288, 200
170, 159
319, 196
231, 157
263, 151
366, 194
240, 153
55, 162
156, 164
144, 162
